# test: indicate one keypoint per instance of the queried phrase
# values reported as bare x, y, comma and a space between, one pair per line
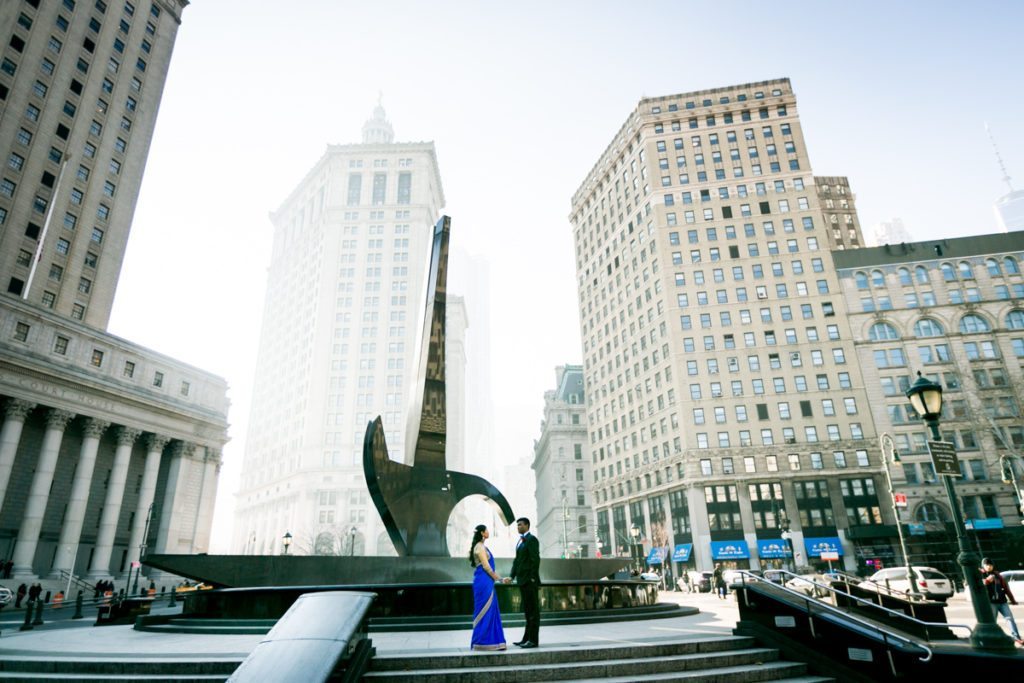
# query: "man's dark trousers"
526, 572
531, 610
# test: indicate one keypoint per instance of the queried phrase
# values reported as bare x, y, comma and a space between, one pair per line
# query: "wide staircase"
98, 669
727, 659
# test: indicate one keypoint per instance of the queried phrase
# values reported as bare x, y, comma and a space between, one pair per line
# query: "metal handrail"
886, 633
896, 613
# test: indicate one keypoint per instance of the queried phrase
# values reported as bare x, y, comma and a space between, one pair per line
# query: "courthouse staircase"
725, 659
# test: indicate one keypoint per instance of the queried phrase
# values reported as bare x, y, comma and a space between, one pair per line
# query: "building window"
49, 299
185, 388
21, 331
129, 369
97, 358
404, 188
158, 379
60, 345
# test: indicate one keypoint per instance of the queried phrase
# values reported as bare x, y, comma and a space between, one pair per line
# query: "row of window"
963, 270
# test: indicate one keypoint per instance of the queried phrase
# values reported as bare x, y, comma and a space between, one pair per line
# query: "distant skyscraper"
1010, 207
561, 462
107, 449
837, 201
339, 344
889, 232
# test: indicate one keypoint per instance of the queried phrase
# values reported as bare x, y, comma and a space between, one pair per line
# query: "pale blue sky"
521, 99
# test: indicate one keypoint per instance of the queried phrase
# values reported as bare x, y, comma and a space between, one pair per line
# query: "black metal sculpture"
416, 500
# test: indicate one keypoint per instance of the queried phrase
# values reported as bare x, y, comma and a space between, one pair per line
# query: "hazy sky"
521, 99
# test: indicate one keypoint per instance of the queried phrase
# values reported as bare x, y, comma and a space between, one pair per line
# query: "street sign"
944, 458
899, 500
829, 556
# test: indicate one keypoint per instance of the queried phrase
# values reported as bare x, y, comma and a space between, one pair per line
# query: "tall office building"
889, 232
561, 463
1010, 207
339, 344
107, 449
724, 403
950, 309
837, 201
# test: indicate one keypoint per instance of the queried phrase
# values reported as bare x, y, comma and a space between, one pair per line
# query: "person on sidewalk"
718, 579
999, 595
526, 572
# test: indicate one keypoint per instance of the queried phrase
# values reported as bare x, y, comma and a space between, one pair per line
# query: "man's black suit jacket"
526, 566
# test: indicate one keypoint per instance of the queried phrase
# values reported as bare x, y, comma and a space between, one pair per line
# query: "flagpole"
46, 227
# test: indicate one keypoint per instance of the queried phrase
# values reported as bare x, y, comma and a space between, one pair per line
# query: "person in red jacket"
1000, 596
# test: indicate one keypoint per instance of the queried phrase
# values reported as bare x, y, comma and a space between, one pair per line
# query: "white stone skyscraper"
339, 344
1010, 207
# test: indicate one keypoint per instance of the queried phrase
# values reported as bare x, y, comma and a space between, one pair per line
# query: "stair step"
778, 672
96, 678
546, 655
95, 667
626, 669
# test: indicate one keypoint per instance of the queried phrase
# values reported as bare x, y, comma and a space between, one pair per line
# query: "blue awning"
729, 550
981, 524
815, 546
772, 549
682, 552
657, 555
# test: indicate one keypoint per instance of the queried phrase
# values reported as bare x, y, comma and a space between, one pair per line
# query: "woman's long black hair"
478, 535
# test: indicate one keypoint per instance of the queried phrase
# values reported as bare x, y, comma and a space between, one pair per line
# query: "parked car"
6, 596
732, 576
775, 576
929, 582
814, 585
1015, 581
653, 577
701, 581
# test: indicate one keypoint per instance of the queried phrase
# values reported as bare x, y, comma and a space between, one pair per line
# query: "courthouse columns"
207, 498
143, 510
15, 413
74, 515
174, 494
126, 437
35, 507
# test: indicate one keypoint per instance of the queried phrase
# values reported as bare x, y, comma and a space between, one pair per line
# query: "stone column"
15, 413
74, 515
35, 507
700, 527
177, 474
207, 499
100, 569
154, 449
171, 511
747, 519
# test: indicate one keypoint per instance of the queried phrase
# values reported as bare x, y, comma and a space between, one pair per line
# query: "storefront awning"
682, 552
729, 550
815, 546
772, 549
657, 555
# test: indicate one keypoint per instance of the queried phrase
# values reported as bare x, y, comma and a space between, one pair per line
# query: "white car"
814, 585
930, 582
1015, 582
6, 596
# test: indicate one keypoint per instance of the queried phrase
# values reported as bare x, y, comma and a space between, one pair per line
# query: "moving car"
701, 581
929, 582
814, 585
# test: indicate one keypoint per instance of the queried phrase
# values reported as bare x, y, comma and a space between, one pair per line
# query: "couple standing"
487, 631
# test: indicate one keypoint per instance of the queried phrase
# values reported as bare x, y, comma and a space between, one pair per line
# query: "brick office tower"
107, 449
724, 404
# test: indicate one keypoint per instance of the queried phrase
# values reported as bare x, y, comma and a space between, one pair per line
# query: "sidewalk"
716, 618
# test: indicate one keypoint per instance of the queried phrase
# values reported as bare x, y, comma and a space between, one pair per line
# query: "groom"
526, 572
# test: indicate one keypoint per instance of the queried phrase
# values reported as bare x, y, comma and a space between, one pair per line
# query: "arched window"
921, 273
877, 278
966, 272
926, 327
862, 279
1015, 320
993, 267
948, 272
883, 332
904, 274
324, 544
932, 512
973, 323
1010, 265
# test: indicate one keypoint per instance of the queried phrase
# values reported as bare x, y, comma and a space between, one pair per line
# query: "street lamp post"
352, 541
287, 540
926, 398
787, 536
1006, 467
884, 439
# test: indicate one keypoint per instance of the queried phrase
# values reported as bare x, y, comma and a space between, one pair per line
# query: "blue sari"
487, 631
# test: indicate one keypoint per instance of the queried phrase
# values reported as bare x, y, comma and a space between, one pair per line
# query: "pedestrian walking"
718, 579
1000, 596
22, 590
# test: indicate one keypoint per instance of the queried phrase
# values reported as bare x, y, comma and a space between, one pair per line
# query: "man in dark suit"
526, 572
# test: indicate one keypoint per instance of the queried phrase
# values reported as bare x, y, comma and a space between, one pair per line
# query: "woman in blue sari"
487, 631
